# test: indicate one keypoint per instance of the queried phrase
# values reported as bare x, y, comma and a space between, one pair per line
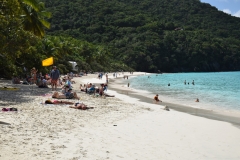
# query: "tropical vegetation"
149, 35
110, 35
24, 43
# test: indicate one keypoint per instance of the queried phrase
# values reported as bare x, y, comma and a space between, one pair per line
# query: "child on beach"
156, 98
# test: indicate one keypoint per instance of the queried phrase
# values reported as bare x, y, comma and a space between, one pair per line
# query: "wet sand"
121, 88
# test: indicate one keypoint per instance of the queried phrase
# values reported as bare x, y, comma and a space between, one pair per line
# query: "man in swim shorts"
55, 74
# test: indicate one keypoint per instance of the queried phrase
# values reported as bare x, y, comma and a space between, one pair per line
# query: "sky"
231, 7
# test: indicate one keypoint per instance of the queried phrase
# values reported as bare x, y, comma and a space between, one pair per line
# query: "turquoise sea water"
215, 90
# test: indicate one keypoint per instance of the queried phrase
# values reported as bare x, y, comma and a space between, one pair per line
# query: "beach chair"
91, 90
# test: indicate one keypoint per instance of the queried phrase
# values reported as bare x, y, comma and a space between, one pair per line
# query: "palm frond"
45, 23
32, 3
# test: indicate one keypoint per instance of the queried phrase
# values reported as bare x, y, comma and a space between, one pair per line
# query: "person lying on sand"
80, 106
67, 95
57, 102
9, 109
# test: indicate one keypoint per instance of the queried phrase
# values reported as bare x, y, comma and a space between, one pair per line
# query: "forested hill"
151, 35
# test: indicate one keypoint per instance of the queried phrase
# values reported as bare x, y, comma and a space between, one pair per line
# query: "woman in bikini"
57, 102
80, 106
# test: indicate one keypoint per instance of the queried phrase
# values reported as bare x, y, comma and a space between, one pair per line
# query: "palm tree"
34, 17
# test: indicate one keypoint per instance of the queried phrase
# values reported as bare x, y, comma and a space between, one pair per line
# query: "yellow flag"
47, 62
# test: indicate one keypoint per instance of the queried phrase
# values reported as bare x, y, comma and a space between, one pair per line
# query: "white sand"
117, 128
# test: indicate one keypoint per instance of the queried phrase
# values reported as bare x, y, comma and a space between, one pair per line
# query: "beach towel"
61, 104
10, 89
46, 95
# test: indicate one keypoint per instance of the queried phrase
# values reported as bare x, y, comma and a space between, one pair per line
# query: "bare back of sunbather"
80, 106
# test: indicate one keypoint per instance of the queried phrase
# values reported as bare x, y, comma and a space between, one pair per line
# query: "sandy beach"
120, 127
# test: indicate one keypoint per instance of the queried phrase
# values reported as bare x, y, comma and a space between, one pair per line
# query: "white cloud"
227, 11
237, 14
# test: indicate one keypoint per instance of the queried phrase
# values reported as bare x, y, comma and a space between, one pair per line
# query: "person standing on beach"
107, 78
34, 75
55, 74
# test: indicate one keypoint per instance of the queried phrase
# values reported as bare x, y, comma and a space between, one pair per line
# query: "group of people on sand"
93, 89
34, 77
53, 79
68, 94
66, 91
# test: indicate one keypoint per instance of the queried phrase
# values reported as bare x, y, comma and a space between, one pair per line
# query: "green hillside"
151, 35
24, 44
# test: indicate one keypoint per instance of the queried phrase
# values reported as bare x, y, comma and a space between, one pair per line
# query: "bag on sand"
70, 96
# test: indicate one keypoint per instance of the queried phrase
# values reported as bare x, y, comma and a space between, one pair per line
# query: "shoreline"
120, 127
233, 118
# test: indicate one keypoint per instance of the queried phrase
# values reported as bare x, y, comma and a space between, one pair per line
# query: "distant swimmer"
193, 82
168, 84
188, 83
197, 100
156, 98
185, 82
148, 76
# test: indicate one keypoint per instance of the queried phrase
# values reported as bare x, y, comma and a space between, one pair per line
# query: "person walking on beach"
55, 74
